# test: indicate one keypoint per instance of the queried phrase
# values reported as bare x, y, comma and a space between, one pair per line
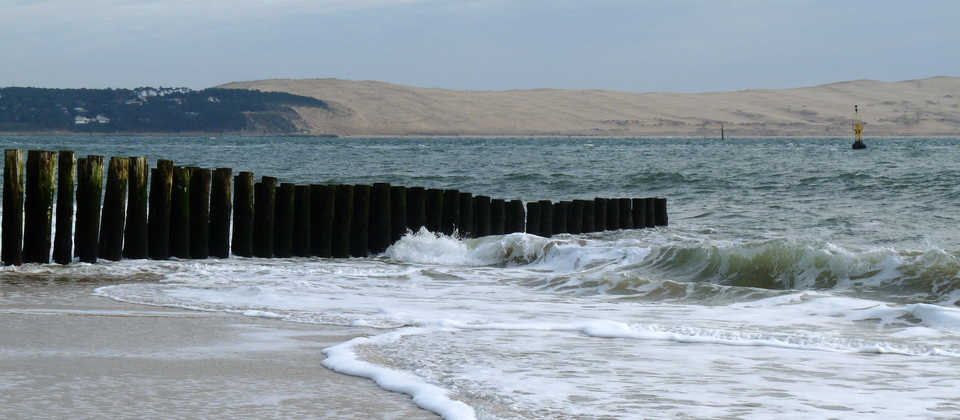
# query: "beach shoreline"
65, 353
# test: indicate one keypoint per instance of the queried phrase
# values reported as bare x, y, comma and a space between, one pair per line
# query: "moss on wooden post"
158, 221
89, 196
135, 240
63, 239
38, 217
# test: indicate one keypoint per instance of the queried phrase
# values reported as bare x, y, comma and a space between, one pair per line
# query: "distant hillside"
911, 108
153, 110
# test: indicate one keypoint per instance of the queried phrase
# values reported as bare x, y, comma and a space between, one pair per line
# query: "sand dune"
926, 107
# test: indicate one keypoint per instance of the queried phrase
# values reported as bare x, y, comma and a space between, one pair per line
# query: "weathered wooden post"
575, 217
38, 221
63, 241
626, 216
302, 226
220, 209
468, 217
451, 212
343, 221
660, 207
651, 212
416, 208
284, 222
180, 213
600, 214
498, 216
243, 216
135, 240
482, 215
398, 213
114, 209
639, 213
589, 216
435, 210
322, 203
560, 217
360, 229
200, 213
158, 222
516, 219
264, 215
613, 214
89, 196
546, 218
533, 218
381, 230
12, 246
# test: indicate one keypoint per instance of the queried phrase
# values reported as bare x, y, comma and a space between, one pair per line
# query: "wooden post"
600, 214
398, 213
302, 224
200, 213
533, 218
516, 219
286, 213
626, 216
381, 230
416, 208
114, 210
451, 212
546, 218
651, 212
639, 213
343, 221
613, 214
498, 216
180, 213
38, 222
575, 217
12, 246
158, 222
660, 207
360, 225
264, 213
589, 216
63, 241
560, 210
468, 217
243, 216
220, 209
482, 215
435, 210
322, 204
135, 241
89, 196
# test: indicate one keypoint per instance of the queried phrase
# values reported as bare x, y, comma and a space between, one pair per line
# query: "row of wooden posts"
188, 214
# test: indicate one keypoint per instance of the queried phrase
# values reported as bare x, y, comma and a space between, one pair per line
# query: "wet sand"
67, 354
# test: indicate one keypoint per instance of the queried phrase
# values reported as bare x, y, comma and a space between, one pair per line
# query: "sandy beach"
65, 353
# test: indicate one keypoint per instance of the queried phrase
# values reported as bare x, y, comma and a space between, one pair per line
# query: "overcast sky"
631, 45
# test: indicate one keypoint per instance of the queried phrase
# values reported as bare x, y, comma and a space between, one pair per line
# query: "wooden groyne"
188, 212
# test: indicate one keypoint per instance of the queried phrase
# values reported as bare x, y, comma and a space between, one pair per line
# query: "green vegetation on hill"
158, 110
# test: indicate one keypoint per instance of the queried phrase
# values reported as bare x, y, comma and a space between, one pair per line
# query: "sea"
797, 278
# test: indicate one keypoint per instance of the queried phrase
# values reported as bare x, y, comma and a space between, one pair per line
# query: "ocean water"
797, 278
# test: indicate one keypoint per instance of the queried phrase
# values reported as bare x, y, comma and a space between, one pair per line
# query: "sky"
626, 45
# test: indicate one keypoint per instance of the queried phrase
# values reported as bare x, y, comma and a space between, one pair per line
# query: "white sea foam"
342, 358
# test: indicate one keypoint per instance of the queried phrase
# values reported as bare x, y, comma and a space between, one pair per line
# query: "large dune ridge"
924, 107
